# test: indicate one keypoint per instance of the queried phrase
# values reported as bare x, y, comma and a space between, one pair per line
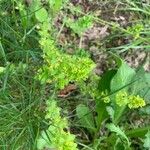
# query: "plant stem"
80, 43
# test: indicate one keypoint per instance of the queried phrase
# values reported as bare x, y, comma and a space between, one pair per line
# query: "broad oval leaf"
41, 15
85, 117
123, 77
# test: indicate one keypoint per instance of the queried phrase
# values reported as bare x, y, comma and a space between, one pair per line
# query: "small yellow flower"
105, 98
136, 101
122, 98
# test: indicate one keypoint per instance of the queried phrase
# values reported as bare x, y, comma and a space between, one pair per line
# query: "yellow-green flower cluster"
57, 136
61, 68
123, 99
105, 98
135, 101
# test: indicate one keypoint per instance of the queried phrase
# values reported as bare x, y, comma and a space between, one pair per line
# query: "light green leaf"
56, 5
2, 69
85, 117
43, 141
147, 140
142, 85
41, 15
81, 25
118, 131
123, 77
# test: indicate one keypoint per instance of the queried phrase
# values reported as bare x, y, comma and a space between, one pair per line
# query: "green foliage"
55, 136
81, 25
55, 5
2, 69
122, 99
30, 48
41, 15
120, 134
112, 94
147, 140
136, 101
60, 68
90, 87
123, 77
105, 97
135, 30
104, 83
143, 80
111, 112
23, 13
85, 117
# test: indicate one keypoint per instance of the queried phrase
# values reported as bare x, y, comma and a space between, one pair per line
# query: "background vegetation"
74, 74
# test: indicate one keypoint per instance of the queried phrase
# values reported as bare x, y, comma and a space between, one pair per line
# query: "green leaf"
140, 76
147, 140
138, 132
24, 18
145, 87
43, 141
56, 5
102, 113
118, 132
81, 25
123, 77
85, 117
2, 69
142, 85
41, 15
119, 146
145, 110
104, 83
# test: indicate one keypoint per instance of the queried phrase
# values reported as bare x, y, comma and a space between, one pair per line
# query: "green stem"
3, 52
80, 43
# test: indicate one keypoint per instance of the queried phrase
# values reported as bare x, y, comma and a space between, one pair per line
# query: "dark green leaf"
104, 83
